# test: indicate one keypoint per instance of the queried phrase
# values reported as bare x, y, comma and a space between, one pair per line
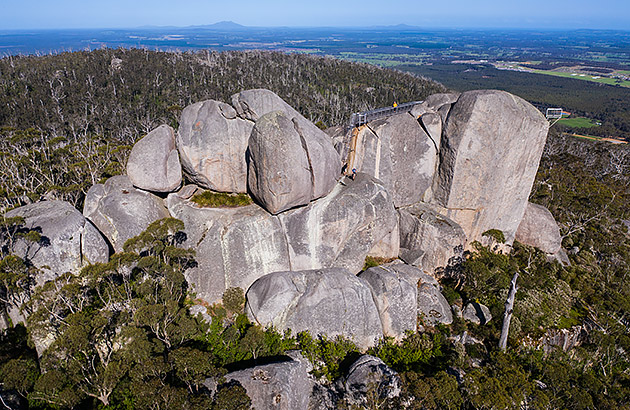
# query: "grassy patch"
372, 261
585, 77
578, 122
209, 199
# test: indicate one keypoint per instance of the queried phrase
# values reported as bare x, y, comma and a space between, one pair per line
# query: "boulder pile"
428, 183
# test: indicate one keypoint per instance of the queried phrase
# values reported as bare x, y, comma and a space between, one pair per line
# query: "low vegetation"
209, 199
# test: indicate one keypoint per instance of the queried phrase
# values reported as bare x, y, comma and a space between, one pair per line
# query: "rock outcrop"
284, 385
396, 299
429, 240
477, 313
68, 243
234, 246
368, 374
212, 142
325, 301
153, 163
121, 211
340, 229
291, 162
538, 228
399, 152
491, 146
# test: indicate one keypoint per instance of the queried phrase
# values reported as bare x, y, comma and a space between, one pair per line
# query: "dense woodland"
57, 149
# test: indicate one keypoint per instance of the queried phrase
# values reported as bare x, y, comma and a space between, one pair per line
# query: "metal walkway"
361, 118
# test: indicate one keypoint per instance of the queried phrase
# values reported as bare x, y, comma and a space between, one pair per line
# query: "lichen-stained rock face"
212, 142
429, 240
491, 146
284, 385
153, 163
325, 301
340, 229
395, 295
397, 151
538, 228
369, 374
290, 162
69, 241
121, 211
234, 246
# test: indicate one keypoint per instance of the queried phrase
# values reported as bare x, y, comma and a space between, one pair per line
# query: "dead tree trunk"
507, 317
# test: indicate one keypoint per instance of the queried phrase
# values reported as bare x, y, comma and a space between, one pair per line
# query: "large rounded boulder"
212, 142
332, 301
153, 163
291, 162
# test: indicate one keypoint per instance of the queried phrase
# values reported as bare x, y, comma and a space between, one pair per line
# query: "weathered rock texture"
340, 229
234, 246
283, 385
369, 374
396, 299
153, 163
538, 228
433, 308
490, 150
399, 152
326, 301
212, 141
429, 240
291, 163
68, 243
121, 211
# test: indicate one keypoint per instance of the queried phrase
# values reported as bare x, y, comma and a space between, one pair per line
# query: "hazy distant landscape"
587, 72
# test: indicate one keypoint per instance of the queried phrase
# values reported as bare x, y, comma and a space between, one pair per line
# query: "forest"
68, 121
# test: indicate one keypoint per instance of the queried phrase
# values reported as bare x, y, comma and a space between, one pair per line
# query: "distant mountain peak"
224, 25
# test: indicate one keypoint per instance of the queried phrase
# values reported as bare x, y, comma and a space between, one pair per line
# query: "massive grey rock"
396, 299
427, 239
290, 162
433, 308
397, 151
212, 141
369, 374
491, 146
538, 228
284, 385
340, 229
153, 163
477, 313
325, 301
121, 211
234, 246
68, 243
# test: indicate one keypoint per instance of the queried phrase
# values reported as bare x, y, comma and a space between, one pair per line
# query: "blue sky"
32, 14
